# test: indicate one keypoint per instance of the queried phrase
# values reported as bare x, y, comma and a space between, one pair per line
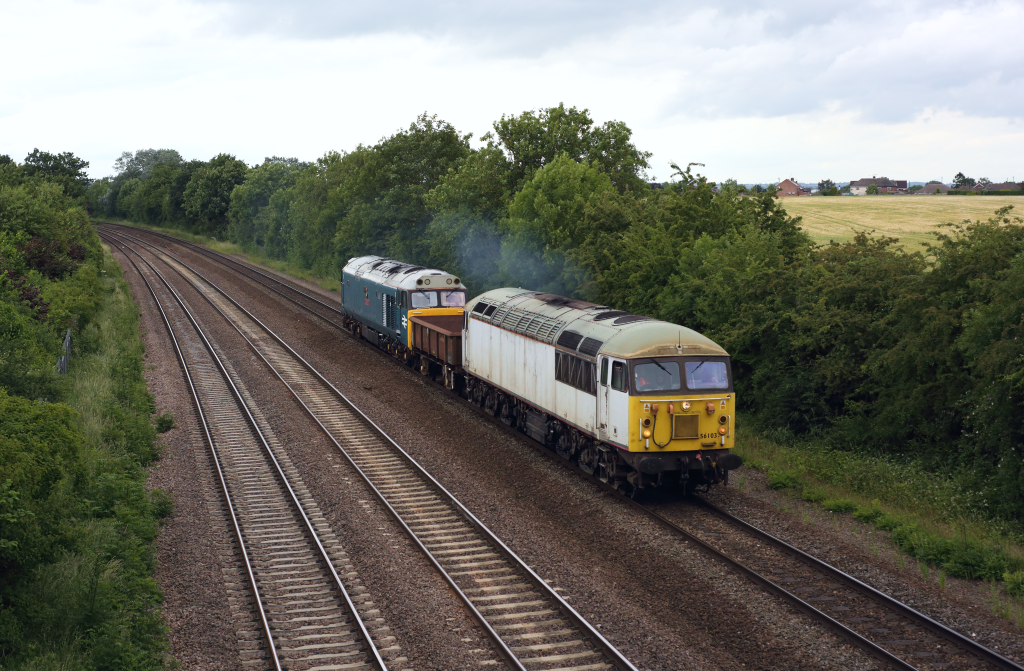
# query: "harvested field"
909, 218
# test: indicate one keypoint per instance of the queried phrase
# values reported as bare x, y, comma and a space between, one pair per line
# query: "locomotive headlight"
686, 405
647, 433
646, 421
723, 419
722, 430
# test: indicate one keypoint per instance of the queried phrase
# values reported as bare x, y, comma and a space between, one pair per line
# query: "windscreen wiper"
700, 364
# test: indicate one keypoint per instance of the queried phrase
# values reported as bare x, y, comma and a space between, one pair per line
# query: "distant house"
789, 187
932, 189
884, 184
1002, 186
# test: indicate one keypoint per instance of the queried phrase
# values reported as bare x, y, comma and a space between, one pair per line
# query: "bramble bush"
77, 525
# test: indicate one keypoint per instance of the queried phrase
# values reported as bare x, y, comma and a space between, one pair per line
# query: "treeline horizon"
859, 345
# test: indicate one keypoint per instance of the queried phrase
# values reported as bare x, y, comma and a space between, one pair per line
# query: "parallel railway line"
896, 635
529, 625
307, 616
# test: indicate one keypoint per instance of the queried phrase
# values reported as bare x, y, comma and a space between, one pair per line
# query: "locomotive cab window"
680, 374
434, 299
707, 375
619, 376
424, 299
656, 376
453, 299
604, 372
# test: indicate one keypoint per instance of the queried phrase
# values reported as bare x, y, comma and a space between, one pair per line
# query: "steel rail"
248, 268
906, 611
957, 639
375, 658
611, 653
216, 461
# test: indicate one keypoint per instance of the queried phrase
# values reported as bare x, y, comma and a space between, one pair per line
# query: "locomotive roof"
586, 327
400, 274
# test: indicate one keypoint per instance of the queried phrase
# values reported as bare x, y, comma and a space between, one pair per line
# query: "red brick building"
789, 188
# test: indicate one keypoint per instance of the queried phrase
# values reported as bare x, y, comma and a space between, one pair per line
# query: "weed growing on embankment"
77, 525
939, 521
253, 255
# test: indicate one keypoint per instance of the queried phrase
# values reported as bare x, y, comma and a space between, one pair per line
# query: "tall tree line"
863, 345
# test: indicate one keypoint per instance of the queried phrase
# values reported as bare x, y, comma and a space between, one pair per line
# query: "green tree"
247, 226
872, 190
533, 139
208, 194
962, 181
150, 200
144, 161
174, 205
65, 169
547, 219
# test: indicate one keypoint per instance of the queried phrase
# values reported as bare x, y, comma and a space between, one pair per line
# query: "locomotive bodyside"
636, 400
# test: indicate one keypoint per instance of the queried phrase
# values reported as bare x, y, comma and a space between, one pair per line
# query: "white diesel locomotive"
634, 400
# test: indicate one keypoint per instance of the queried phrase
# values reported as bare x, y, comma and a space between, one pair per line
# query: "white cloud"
755, 90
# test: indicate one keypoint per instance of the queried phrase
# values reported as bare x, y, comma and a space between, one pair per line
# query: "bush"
1014, 583
867, 514
164, 422
784, 480
813, 495
839, 505
162, 502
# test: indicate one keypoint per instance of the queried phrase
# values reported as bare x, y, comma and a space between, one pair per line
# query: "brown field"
909, 218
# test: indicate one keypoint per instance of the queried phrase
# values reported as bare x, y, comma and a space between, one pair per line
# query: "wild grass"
232, 249
939, 521
912, 219
94, 604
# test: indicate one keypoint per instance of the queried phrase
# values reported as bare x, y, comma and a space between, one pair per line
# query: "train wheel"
491, 403
588, 459
564, 446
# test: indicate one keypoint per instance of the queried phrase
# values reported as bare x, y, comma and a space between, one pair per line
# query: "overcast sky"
755, 90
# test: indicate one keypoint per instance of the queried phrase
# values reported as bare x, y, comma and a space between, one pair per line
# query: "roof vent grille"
569, 339
608, 315
590, 346
629, 319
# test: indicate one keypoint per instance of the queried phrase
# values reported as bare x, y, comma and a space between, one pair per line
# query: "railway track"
895, 634
901, 637
307, 616
529, 625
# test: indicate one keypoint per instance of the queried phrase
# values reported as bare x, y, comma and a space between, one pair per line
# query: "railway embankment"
78, 521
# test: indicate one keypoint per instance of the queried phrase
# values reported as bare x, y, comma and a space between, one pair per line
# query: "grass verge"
79, 526
936, 520
224, 247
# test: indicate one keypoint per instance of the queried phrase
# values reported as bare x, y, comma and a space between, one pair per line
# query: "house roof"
878, 181
1002, 186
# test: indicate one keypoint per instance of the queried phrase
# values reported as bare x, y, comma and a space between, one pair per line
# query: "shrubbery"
77, 524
